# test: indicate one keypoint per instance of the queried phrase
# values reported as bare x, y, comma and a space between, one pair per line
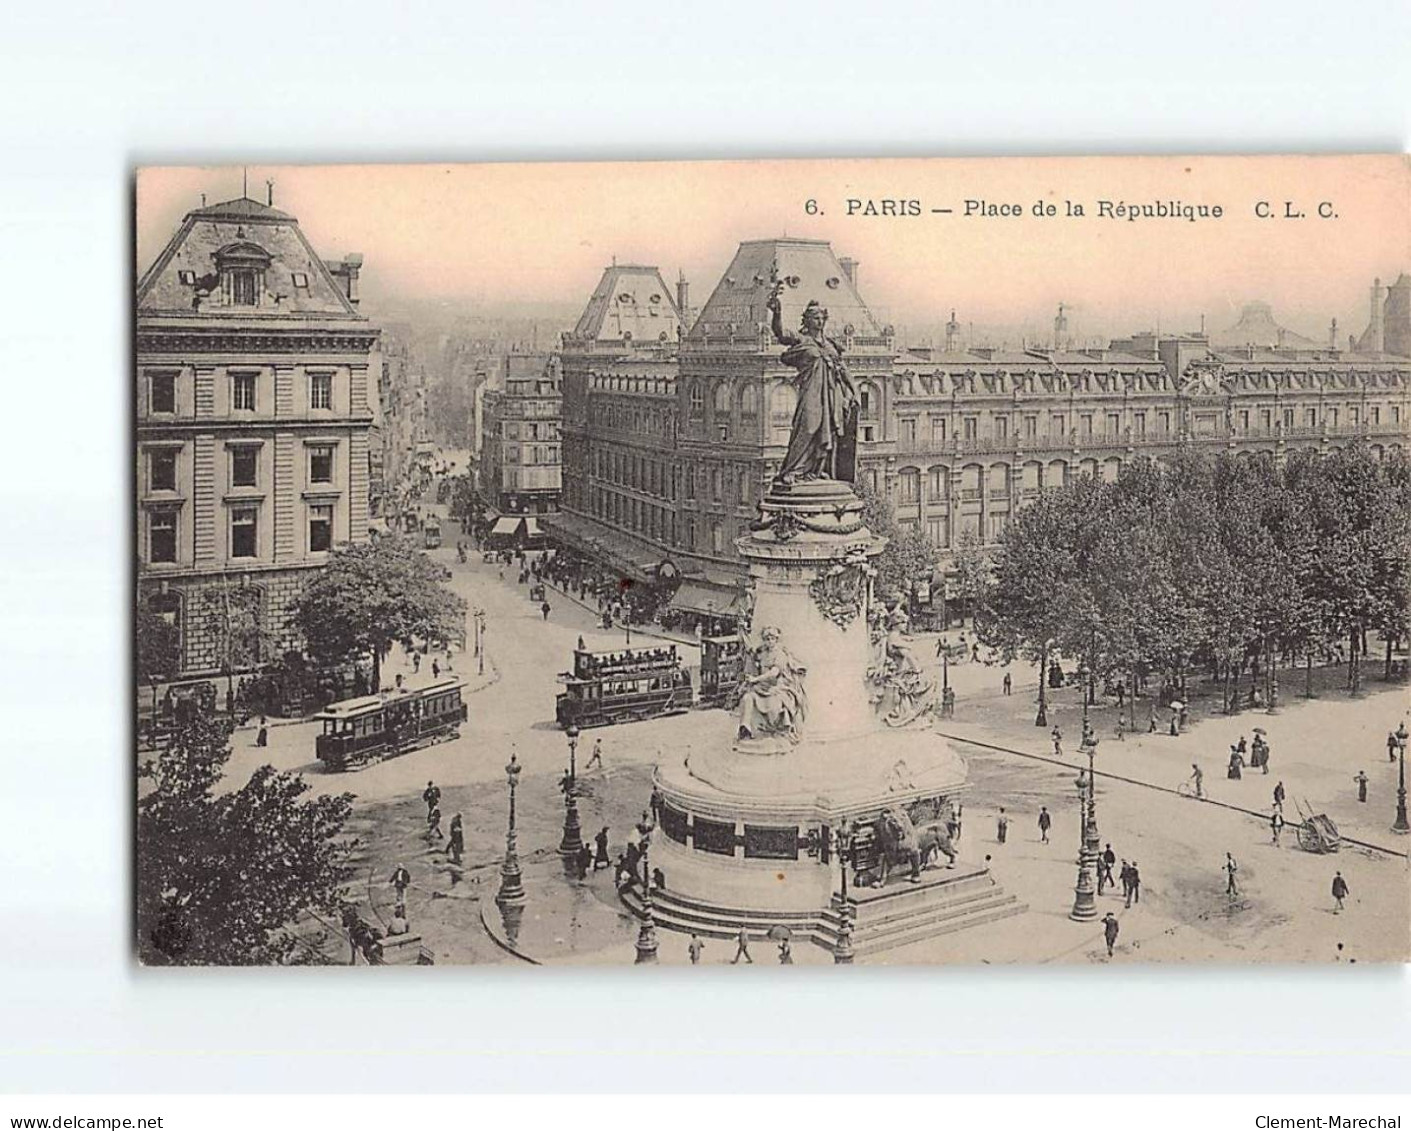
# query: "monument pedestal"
747, 833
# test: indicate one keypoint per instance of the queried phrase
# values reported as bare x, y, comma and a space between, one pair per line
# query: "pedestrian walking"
1057, 736
1175, 732
1361, 780
656, 803
400, 880
742, 948
1279, 797
262, 736
544, 608
432, 796
1126, 877
1001, 826
416, 663
597, 757
581, 646
786, 955
584, 860
694, 949
1104, 874
1276, 826
1008, 684
433, 825
1045, 823
1134, 891
1198, 780
456, 847
1231, 888
1109, 931
1151, 728
435, 669
601, 860
1121, 696
1339, 892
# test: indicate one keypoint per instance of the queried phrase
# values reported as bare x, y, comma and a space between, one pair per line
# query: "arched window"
697, 401
721, 400
749, 400
908, 485
939, 487
869, 401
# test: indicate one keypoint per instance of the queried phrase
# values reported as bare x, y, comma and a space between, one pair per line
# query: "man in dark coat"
1339, 892
1109, 931
432, 796
1104, 875
1045, 823
601, 859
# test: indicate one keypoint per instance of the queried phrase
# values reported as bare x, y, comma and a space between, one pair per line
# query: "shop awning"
505, 526
531, 528
703, 597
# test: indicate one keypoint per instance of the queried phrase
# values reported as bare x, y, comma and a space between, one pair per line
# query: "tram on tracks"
357, 732
627, 685
722, 669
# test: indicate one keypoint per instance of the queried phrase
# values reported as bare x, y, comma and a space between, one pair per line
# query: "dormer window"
186, 278
241, 266
300, 280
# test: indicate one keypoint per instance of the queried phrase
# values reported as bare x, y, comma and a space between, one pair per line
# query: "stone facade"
253, 422
521, 463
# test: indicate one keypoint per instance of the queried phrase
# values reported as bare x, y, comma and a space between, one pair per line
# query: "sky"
492, 234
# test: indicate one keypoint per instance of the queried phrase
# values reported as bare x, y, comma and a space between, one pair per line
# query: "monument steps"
903, 913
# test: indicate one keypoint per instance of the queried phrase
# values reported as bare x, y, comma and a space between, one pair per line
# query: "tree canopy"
908, 555
372, 595
1224, 561
223, 877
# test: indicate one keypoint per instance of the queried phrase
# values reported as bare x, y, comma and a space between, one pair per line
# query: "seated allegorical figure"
773, 700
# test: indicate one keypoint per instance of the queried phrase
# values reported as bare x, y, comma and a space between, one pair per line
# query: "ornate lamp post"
1041, 719
511, 883
480, 638
1085, 890
1400, 825
647, 936
842, 952
572, 843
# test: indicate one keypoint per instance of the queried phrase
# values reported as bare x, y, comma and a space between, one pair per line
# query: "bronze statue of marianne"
823, 438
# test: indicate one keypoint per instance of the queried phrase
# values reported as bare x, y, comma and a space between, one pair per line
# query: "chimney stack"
849, 266
683, 296
952, 334
1333, 336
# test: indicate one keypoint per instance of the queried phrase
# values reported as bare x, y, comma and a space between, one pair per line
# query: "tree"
908, 556
372, 595
223, 877
158, 642
972, 565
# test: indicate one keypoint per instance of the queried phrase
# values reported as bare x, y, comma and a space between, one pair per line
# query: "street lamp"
1041, 719
1400, 825
572, 843
842, 952
1085, 890
511, 882
647, 936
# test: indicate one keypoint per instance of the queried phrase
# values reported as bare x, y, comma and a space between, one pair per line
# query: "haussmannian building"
252, 376
668, 446
521, 463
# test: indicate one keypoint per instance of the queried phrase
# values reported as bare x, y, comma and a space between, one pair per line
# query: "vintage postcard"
765, 563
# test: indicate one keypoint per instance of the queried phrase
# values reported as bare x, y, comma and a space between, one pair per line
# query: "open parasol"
1260, 730
779, 933
1177, 705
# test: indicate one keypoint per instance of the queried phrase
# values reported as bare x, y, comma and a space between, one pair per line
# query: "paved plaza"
1284, 912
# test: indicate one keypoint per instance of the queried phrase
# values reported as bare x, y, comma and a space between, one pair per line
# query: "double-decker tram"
374, 727
722, 668
623, 686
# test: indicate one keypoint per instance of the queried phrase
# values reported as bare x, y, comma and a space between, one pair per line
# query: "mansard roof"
241, 231
631, 303
810, 272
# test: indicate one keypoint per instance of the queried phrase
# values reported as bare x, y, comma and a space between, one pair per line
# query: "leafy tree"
158, 643
372, 595
972, 565
908, 556
222, 877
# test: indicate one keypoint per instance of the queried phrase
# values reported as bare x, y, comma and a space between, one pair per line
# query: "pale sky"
487, 234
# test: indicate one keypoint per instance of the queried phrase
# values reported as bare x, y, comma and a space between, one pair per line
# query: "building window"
938, 429
1395, 414
161, 470
242, 288
244, 525
242, 391
300, 280
1244, 420
1139, 424
972, 427
320, 529
1001, 428
161, 536
244, 466
938, 484
163, 390
1164, 419
869, 433
320, 390
1288, 418
321, 463
1333, 417
1114, 424
690, 533
1056, 426
1310, 417
909, 485
1353, 414
1374, 415
717, 538
1086, 421
938, 532
1031, 428
697, 401
908, 431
